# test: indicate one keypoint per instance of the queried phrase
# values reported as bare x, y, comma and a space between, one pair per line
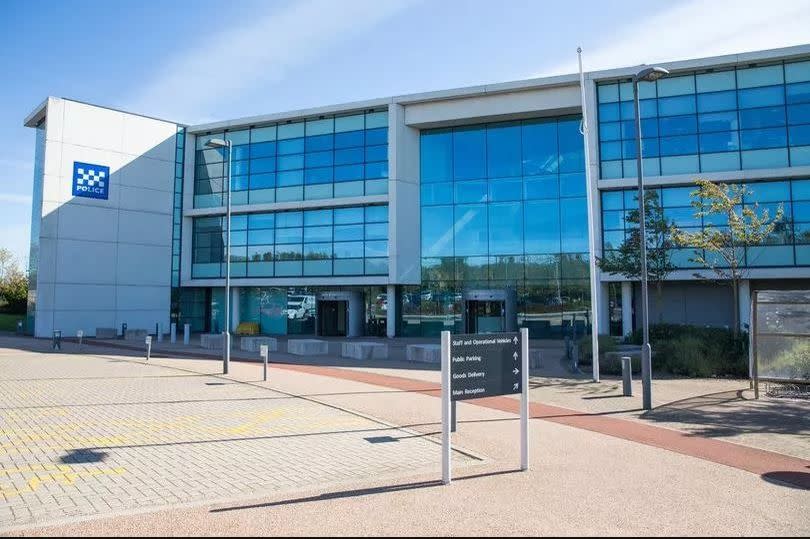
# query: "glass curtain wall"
177, 216
732, 119
327, 157
789, 245
322, 242
503, 207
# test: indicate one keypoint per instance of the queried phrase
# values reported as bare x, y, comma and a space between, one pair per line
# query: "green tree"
13, 283
721, 248
626, 260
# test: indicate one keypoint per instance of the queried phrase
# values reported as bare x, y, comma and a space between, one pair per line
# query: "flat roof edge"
41, 111
35, 117
725, 60
290, 115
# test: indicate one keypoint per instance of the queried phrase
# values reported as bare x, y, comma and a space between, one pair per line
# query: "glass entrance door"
332, 318
485, 316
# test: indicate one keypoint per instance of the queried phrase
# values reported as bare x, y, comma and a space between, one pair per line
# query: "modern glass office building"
462, 209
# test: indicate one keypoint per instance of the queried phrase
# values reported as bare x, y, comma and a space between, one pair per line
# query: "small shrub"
612, 364
697, 351
606, 344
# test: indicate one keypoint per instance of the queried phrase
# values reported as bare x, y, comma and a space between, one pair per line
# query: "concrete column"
627, 307
745, 303
391, 312
234, 307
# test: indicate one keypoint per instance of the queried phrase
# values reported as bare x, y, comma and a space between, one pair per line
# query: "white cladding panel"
105, 261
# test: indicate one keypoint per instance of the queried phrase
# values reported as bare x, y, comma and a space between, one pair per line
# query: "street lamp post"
226, 352
649, 74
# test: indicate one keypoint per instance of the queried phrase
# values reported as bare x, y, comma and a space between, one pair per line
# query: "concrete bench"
307, 347
424, 353
364, 350
253, 344
106, 333
136, 334
213, 341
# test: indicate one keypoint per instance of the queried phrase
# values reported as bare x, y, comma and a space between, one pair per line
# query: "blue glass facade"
789, 245
323, 158
36, 226
719, 120
349, 241
503, 207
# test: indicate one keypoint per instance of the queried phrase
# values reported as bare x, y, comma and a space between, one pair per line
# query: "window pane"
344, 216
503, 150
761, 97
717, 101
674, 106
762, 117
542, 226
470, 230
506, 228
670, 86
763, 138
469, 153
540, 150
760, 76
714, 82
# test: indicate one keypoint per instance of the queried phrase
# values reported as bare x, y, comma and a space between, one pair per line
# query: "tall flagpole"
591, 220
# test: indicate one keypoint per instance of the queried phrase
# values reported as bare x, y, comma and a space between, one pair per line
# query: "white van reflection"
300, 307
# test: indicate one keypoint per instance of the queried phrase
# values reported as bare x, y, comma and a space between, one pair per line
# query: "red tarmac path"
783, 468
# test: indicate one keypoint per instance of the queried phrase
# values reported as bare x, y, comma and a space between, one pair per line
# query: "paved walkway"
85, 434
769, 437
581, 482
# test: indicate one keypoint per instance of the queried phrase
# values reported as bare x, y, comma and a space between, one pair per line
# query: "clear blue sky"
204, 60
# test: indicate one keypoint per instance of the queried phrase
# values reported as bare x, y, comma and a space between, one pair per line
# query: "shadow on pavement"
83, 456
358, 492
730, 413
796, 480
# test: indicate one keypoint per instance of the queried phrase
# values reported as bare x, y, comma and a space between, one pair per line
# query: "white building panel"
89, 296
85, 262
93, 223
146, 138
143, 265
143, 228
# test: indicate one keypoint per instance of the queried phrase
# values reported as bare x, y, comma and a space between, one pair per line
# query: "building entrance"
485, 316
333, 318
340, 314
490, 311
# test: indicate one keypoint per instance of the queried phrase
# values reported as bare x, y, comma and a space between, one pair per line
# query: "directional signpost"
486, 365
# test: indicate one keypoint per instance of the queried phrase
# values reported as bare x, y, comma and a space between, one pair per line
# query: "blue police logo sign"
92, 181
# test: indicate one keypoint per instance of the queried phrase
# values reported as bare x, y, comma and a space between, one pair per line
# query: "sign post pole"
524, 399
148, 347
446, 475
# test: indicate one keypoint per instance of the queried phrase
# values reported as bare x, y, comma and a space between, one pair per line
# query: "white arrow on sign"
515, 356
515, 387
516, 340
515, 372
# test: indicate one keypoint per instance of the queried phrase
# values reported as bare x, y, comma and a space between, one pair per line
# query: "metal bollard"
148, 347
173, 332
264, 351
186, 334
57, 339
627, 376
79, 335
20, 327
